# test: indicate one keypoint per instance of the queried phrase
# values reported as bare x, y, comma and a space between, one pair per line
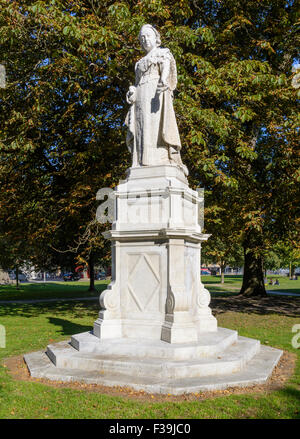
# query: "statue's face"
148, 39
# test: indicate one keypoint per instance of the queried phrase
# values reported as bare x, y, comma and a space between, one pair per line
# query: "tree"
69, 65
224, 246
288, 253
244, 135
271, 261
58, 145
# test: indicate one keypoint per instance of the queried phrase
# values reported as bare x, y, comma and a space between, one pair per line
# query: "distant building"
4, 278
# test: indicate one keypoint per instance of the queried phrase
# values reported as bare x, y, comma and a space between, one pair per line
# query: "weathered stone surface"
153, 137
230, 360
156, 290
256, 371
155, 330
208, 344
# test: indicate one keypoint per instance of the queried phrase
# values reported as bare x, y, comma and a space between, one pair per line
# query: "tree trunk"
17, 277
223, 266
293, 267
92, 273
253, 279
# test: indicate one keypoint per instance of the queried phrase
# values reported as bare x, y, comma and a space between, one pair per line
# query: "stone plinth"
217, 361
156, 290
155, 330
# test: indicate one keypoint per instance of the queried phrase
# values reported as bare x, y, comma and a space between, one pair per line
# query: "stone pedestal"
155, 330
156, 290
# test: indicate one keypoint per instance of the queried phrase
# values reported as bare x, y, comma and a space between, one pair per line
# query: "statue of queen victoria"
153, 137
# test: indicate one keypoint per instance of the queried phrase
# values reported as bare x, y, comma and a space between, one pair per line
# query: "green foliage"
69, 65
287, 253
272, 261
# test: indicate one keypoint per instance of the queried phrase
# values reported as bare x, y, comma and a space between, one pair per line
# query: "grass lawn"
233, 284
50, 290
31, 327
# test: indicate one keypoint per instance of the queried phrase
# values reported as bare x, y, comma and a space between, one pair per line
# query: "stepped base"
208, 344
217, 362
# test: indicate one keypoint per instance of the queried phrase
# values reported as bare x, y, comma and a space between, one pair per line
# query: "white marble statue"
153, 137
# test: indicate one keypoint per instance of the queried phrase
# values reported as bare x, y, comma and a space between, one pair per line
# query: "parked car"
101, 275
71, 276
205, 272
21, 276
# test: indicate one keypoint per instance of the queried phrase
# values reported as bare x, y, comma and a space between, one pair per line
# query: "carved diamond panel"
144, 282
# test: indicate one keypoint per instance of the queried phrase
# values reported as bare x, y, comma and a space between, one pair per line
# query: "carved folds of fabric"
149, 65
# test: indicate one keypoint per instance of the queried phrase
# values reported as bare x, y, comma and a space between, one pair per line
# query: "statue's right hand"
131, 95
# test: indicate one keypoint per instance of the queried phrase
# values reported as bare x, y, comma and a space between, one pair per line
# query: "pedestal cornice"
150, 234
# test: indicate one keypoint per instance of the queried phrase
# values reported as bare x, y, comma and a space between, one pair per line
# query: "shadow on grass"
220, 303
287, 306
67, 327
223, 294
229, 289
76, 309
291, 392
283, 289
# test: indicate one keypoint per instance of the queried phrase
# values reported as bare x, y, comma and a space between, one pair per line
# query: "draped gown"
152, 136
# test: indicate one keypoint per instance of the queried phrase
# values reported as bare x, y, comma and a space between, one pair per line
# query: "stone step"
256, 371
208, 345
63, 355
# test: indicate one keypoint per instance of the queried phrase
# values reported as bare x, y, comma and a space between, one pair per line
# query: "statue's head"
149, 37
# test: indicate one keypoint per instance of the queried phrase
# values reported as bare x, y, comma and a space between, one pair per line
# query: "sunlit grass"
32, 327
50, 290
233, 283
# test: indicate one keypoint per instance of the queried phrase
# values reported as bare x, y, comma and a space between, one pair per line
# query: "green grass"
285, 284
229, 279
50, 290
31, 327
233, 284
